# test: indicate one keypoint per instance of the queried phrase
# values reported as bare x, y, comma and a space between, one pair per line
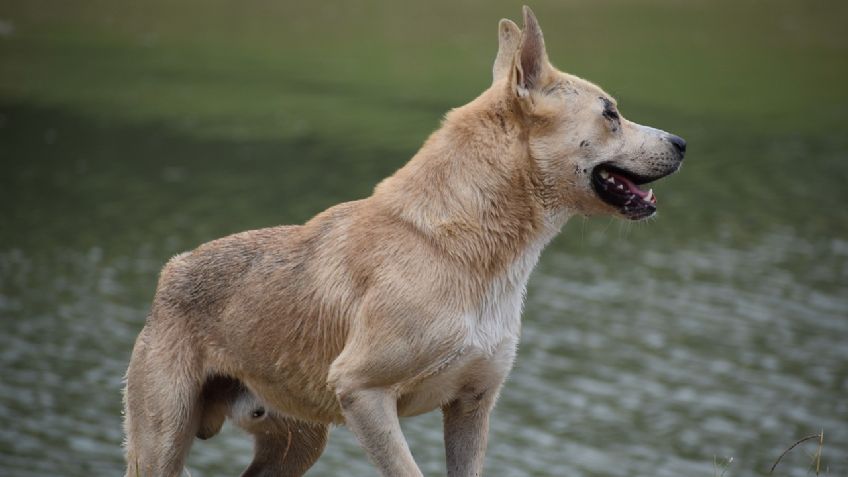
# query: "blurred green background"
131, 131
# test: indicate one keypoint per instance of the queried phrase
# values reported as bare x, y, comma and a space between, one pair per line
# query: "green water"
131, 132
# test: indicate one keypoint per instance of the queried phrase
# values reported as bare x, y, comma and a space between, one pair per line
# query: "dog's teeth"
611, 180
650, 195
620, 186
604, 174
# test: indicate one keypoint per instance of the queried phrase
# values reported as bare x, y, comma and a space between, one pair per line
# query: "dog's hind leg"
289, 450
284, 446
162, 404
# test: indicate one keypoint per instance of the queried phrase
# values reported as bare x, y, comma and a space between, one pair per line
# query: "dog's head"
590, 158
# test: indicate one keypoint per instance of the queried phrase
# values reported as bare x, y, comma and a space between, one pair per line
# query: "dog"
395, 305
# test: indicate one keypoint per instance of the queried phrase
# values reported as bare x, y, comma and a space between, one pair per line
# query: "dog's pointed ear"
508, 37
531, 59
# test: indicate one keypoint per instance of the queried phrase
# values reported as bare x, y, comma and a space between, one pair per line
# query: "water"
718, 330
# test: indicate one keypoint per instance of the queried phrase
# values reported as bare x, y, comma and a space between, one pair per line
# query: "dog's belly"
306, 401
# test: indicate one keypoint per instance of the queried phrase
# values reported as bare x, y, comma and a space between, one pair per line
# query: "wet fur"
394, 305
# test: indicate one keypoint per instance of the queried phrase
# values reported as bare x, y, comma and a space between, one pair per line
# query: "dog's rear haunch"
397, 304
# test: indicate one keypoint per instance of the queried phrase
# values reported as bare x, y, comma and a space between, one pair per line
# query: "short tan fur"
394, 305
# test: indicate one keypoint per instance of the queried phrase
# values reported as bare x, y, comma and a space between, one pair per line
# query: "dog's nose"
679, 143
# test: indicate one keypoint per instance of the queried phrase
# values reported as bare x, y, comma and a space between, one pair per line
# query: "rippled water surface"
717, 330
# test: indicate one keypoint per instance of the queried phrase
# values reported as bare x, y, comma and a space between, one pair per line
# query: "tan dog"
397, 304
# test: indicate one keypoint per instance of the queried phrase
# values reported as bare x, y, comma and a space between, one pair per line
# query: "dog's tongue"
633, 188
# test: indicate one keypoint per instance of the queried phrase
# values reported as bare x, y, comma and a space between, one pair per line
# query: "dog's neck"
473, 189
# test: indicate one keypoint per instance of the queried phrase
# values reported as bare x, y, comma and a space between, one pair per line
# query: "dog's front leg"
466, 418
372, 416
466, 425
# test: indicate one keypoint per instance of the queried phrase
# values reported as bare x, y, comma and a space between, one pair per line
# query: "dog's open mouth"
621, 189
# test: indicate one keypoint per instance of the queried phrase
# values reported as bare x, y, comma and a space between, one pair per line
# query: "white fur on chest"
498, 317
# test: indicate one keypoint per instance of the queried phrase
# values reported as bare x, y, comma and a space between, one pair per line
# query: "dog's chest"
492, 330
497, 317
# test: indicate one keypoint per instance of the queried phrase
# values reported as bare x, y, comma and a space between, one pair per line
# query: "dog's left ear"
531, 59
508, 37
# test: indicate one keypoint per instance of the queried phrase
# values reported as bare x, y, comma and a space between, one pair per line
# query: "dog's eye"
611, 114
